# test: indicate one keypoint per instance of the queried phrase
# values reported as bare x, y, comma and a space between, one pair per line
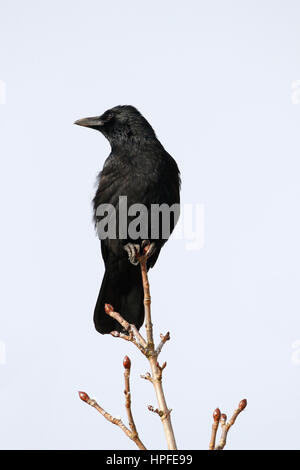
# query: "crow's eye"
109, 117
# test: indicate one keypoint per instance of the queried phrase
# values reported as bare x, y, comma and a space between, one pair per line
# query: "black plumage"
140, 168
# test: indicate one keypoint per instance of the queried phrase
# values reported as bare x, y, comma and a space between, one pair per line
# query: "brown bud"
243, 404
126, 362
217, 414
223, 417
108, 308
83, 396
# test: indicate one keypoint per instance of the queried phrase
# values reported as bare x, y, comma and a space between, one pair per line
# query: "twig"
152, 357
148, 349
147, 377
135, 436
164, 339
225, 426
147, 301
132, 432
133, 335
138, 335
215, 425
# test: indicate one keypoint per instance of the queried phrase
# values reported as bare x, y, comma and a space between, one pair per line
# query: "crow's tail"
122, 288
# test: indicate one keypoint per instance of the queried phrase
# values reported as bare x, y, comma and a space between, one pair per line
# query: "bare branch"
133, 335
151, 354
135, 436
164, 339
216, 417
147, 348
147, 300
225, 426
138, 335
147, 377
117, 421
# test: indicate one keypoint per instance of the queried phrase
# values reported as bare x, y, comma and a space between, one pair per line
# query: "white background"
214, 78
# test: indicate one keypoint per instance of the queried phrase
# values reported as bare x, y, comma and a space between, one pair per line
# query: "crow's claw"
133, 251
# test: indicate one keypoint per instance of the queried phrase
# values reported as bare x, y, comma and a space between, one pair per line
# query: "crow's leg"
133, 251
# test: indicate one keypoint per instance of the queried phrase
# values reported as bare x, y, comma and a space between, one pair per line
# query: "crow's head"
119, 124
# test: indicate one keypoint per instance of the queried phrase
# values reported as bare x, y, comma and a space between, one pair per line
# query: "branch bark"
147, 347
222, 418
135, 436
152, 357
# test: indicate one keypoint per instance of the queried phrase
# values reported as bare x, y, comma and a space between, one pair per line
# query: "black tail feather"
122, 288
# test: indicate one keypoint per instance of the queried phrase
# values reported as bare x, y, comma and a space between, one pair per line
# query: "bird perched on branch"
140, 172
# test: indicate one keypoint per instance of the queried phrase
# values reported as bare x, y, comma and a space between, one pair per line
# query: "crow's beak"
93, 122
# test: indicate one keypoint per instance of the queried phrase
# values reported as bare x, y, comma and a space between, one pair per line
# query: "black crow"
139, 168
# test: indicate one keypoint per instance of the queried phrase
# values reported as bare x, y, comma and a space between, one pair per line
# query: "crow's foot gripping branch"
134, 251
